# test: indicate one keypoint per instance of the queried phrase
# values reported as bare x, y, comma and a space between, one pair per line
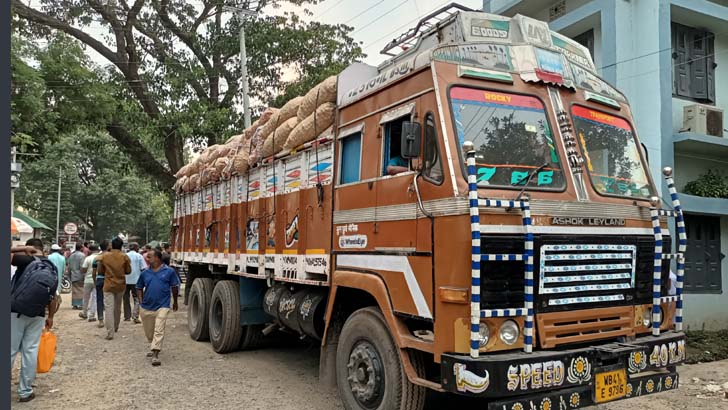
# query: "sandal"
156, 361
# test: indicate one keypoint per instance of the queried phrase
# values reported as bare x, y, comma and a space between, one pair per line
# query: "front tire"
369, 372
197, 313
224, 317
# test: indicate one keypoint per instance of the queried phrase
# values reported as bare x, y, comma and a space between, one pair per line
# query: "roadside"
92, 373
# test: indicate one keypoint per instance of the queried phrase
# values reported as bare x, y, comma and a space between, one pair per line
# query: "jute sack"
185, 184
205, 176
322, 93
179, 184
239, 164
274, 142
222, 151
305, 132
289, 109
256, 147
194, 182
182, 172
251, 130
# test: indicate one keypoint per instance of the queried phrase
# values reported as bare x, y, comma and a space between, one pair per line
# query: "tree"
100, 189
178, 67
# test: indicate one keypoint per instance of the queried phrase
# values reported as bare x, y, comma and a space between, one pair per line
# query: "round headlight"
509, 332
484, 334
647, 317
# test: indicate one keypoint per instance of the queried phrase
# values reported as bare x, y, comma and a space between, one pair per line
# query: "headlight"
509, 332
647, 317
484, 334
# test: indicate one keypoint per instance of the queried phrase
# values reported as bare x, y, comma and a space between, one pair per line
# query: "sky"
376, 22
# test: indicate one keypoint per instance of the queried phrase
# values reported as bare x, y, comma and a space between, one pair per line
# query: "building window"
432, 169
703, 257
350, 158
693, 64
586, 39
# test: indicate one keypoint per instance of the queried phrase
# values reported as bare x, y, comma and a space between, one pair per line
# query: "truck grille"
572, 274
502, 281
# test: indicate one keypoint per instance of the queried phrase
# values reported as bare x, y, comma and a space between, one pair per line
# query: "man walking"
74, 267
28, 305
130, 294
89, 288
99, 283
154, 288
57, 258
114, 265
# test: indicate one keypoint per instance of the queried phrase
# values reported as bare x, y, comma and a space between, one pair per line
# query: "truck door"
395, 223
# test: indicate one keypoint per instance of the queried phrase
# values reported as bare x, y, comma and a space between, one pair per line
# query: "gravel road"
92, 373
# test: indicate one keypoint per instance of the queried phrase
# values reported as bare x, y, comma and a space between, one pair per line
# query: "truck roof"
486, 45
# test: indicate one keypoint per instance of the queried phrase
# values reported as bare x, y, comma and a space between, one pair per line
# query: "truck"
480, 220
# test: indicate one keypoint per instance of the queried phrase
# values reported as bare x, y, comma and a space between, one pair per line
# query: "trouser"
100, 297
24, 339
154, 322
131, 312
112, 308
77, 294
89, 300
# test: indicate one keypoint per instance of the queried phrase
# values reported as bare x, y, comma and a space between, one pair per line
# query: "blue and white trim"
657, 272
682, 241
475, 249
475, 313
679, 256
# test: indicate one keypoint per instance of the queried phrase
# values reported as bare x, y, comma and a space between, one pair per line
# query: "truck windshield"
611, 154
511, 135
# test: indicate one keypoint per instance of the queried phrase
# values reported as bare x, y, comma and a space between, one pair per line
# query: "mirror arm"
419, 198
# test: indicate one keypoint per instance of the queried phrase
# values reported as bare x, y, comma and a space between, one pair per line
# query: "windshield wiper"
527, 178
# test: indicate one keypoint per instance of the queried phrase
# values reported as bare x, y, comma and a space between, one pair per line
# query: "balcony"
703, 145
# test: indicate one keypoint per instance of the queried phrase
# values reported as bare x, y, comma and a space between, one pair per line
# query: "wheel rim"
366, 375
216, 318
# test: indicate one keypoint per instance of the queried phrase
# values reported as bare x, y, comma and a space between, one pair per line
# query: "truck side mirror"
411, 139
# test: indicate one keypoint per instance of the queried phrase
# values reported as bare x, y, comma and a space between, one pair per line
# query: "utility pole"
243, 59
15, 169
58, 206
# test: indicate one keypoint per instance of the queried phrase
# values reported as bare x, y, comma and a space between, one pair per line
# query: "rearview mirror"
411, 139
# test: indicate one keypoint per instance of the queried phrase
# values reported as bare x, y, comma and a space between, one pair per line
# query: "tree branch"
138, 154
36, 16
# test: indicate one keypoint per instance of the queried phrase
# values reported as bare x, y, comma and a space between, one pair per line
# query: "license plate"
610, 385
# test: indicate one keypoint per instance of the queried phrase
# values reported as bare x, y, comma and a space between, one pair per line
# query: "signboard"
70, 228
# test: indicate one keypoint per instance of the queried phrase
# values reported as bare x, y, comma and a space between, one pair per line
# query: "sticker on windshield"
601, 117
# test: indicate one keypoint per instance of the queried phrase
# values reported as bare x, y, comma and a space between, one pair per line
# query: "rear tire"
199, 306
369, 373
224, 317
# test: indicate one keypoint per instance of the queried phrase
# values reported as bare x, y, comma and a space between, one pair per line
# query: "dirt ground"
92, 373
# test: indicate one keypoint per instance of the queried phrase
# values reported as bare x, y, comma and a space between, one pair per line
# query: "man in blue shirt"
153, 288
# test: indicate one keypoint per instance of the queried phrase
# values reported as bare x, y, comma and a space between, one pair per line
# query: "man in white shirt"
88, 309
137, 266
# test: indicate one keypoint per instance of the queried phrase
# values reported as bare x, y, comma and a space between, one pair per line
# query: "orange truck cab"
480, 220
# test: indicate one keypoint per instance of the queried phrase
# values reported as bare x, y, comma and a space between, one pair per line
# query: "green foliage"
99, 189
173, 73
708, 185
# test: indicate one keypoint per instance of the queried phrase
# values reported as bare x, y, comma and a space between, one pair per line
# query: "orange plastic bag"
46, 351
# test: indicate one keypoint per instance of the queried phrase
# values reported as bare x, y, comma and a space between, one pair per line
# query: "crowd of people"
103, 277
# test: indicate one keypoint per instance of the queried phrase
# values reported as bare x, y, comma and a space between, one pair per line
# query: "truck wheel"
225, 329
369, 373
200, 295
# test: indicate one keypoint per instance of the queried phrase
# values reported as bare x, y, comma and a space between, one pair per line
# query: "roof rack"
407, 39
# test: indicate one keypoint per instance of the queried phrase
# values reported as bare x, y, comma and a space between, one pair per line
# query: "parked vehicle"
518, 253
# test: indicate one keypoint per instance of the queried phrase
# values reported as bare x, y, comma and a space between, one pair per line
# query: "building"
664, 55
37, 228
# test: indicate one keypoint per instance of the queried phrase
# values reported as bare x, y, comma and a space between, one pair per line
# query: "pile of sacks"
299, 121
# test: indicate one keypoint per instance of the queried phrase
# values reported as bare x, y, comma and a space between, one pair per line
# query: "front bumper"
567, 378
